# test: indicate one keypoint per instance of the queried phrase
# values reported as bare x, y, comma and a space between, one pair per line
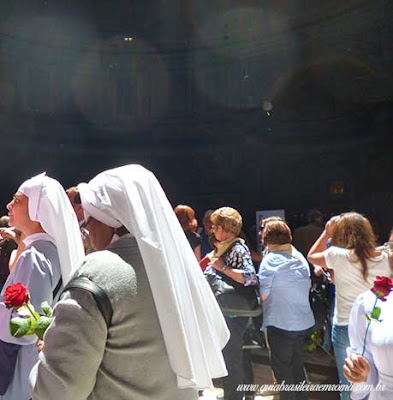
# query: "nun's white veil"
50, 206
193, 327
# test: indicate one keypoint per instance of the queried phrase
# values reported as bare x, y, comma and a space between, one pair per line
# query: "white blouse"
379, 344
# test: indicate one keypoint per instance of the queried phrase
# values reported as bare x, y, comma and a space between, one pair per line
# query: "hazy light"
133, 89
267, 106
239, 55
38, 55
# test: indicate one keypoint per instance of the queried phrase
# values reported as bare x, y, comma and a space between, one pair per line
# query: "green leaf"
42, 325
376, 312
311, 347
46, 308
316, 337
20, 326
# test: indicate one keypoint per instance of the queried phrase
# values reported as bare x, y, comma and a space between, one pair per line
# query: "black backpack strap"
100, 297
57, 288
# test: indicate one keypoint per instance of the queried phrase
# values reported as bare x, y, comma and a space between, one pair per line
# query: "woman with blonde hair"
231, 270
355, 262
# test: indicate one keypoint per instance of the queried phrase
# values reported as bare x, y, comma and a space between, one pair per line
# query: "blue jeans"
340, 342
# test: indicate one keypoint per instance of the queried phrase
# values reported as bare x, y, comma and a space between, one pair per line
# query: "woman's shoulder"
194, 238
102, 266
380, 256
102, 257
192, 234
39, 252
336, 254
239, 247
365, 301
41, 245
338, 250
277, 259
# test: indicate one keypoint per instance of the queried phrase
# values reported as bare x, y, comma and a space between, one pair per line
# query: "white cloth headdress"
192, 324
50, 206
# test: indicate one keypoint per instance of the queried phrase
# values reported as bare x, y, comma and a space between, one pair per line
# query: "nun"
166, 334
40, 209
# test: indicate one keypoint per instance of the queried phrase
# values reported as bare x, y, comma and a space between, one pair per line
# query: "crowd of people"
180, 297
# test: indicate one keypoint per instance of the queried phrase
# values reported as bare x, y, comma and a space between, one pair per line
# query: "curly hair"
229, 219
354, 231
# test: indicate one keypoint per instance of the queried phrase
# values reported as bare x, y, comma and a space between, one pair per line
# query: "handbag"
232, 297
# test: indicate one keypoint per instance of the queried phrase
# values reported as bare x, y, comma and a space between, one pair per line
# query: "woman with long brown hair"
354, 262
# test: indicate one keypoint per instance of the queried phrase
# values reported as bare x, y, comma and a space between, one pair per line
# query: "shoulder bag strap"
57, 288
100, 297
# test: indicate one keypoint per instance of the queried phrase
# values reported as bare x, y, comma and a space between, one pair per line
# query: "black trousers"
233, 356
286, 356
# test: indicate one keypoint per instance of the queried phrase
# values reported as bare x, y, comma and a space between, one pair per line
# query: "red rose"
382, 287
16, 295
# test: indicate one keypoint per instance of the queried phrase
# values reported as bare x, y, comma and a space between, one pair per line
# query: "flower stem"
327, 352
31, 312
368, 326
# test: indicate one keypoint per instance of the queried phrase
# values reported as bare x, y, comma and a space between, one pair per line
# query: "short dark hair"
270, 219
277, 232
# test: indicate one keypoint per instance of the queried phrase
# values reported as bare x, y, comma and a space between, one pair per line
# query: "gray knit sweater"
82, 360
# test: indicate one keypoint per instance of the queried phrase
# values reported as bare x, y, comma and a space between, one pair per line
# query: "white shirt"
348, 278
379, 344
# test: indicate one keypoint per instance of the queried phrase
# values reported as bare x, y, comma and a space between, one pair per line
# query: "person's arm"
240, 267
11, 234
235, 274
316, 255
14, 235
197, 252
256, 256
73, 351
265, 276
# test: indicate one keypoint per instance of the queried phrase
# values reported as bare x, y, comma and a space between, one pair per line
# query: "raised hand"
9, 233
